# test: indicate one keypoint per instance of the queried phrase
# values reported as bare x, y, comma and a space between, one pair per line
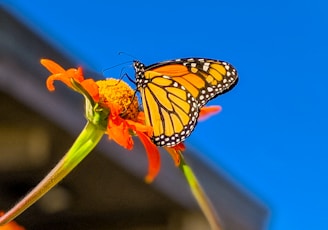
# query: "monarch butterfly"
173, 92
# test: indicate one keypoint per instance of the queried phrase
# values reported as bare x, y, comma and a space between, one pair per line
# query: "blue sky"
271, 136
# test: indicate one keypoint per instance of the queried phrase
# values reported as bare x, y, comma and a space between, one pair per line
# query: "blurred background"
263, 161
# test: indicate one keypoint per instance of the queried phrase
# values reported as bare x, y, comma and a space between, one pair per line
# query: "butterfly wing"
174, 91
204, 78
169, 109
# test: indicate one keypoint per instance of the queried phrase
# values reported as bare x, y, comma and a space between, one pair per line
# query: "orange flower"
116, 97
12, 225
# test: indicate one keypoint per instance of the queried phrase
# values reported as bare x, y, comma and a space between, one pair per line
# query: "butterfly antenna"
123, 63
127, 54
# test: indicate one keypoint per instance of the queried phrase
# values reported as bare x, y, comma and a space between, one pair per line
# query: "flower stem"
200, 195
82, 146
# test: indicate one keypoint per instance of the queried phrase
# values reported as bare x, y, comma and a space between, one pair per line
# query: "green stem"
83, 145
200, 196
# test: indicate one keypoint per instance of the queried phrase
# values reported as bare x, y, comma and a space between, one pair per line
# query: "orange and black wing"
203, 78
173, 93
169, 109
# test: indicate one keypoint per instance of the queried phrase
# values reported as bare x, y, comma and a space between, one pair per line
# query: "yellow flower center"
119, 92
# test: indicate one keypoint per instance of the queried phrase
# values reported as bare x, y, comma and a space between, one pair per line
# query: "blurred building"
106, 190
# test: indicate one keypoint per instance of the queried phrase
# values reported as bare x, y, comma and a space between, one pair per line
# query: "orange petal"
180, 147
120, 134
60, 74
174, 154
12, 225
57, 77
153, 156
141, 117
52, 66
114, 111
141, 127
92, 88
78, 75
208, 111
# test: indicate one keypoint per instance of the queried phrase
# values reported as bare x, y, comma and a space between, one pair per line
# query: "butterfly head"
138, 66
